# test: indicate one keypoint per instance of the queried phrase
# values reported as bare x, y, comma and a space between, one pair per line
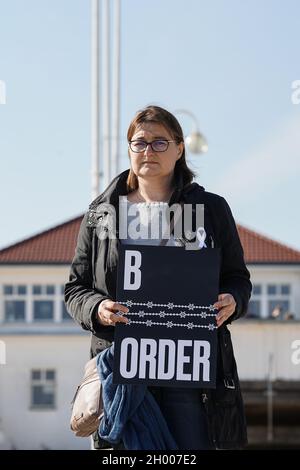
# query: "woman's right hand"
111, 312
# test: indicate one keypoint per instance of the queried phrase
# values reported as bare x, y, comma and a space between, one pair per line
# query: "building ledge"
42, 329
269, 321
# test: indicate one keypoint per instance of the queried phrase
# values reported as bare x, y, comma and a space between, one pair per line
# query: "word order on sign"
165, 359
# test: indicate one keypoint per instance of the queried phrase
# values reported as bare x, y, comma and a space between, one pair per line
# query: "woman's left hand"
226, 306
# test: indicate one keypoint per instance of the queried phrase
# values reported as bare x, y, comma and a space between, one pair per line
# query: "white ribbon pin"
201, 235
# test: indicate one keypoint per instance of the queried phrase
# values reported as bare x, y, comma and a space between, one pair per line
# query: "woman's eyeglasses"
138, 146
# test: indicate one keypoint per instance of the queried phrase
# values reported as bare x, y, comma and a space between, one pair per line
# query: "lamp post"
116, 90
195, 140
106, 143
106, 98
95, 174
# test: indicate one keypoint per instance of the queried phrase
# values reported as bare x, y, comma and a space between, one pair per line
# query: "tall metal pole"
95, 97
116, 91
106, 93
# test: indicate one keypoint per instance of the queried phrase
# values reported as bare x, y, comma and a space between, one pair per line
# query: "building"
42, 351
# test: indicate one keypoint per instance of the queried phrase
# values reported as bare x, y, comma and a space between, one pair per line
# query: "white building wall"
254, 341
22, 427
26, 274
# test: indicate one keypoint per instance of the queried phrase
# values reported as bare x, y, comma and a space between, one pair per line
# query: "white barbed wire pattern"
191, 310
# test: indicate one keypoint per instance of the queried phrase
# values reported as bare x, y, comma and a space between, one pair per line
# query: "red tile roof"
57, 245
259, 248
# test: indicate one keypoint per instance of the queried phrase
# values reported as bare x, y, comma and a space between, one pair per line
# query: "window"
33, 303
14, 310
43, 388
254, 307
270, 301
279, 301
285, 289
22, 290
36, 290
271, 289
278, 308
14, 304
43, 290
43, 310
279, 289
50, 290
14, 290
43, 303
8, 290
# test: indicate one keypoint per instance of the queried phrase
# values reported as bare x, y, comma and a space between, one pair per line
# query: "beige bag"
87, 404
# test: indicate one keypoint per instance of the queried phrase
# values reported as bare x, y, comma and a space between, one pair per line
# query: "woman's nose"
148, 150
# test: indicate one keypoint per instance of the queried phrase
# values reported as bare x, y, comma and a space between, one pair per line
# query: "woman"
159, 174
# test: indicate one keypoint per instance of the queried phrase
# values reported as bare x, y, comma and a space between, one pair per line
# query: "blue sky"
230, 62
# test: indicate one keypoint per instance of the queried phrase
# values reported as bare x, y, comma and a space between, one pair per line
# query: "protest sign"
171, 337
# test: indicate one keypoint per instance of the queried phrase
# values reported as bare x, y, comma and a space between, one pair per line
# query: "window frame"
53, 292
42, 381
264, 297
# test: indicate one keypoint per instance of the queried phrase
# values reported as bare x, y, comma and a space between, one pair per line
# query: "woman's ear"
180, 150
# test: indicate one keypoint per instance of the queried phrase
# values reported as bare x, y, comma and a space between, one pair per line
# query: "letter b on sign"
132, 275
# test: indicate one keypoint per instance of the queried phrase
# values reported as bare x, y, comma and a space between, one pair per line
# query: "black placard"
171, 338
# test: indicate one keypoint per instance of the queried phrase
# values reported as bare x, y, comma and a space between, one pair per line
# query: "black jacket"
93, 279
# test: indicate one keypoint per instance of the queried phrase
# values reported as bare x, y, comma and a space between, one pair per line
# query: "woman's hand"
110, 312
226, 306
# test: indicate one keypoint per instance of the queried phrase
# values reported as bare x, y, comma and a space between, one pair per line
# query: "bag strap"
226, 359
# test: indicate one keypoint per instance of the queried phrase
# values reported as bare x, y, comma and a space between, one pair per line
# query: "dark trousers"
184, 413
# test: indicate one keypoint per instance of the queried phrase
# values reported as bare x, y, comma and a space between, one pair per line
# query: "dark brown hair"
165, 118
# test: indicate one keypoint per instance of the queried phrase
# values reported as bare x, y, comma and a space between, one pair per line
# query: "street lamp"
195, 141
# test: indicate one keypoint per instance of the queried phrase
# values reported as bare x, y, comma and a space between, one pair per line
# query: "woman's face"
151, 164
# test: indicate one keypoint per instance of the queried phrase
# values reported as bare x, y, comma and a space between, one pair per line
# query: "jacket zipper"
204, 398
